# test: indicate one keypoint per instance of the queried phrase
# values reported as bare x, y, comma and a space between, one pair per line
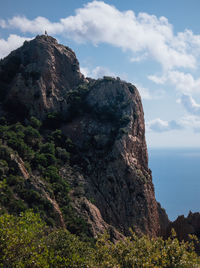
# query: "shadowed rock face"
186, 225
104, 119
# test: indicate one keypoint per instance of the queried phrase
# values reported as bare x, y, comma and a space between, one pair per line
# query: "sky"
154, 44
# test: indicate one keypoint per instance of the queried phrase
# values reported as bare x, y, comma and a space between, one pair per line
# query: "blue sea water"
176, 177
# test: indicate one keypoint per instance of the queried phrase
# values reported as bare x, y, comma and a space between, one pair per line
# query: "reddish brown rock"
110, 136
35, 78
104, 118
186, 225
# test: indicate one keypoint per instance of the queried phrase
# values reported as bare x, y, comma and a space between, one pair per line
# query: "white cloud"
139, 58
144, 34
13, 42
189, 122
183, 82
100, 71
38, 25
157, 79
97, 72
85, 71
158, 125
190, 104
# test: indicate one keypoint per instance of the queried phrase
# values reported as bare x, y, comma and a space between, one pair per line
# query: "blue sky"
155, 44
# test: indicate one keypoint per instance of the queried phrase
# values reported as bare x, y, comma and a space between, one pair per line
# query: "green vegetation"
43, 151
76, 99
26, 241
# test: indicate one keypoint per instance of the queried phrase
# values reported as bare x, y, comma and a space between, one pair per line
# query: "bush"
52, 173
62, 154
32, 136
20, 241
40, 159
3, 167
35, 123
48, 148
143, 251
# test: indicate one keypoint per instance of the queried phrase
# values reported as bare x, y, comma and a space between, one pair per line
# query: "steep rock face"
104, 119
111, 138
34, 79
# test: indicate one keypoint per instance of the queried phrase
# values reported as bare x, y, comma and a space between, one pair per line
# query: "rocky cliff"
184, 226
111, 184
36, 77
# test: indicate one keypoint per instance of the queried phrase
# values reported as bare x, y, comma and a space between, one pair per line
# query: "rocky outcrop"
35, 78
21, 165
186, 225
104, 119
110, 136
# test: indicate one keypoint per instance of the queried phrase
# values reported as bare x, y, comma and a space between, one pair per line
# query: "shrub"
32, 136
35, 123
143, 251
25, 241
3, 167
48, 148
20, 241
62, 154
52, 173
40, 159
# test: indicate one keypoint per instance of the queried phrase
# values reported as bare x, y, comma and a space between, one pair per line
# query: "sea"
176, 177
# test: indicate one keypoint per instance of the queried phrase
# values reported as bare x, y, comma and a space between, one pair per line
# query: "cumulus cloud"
190, 104
190, 122
142, 34
97, 72
160, 80
13, 42
139, 58
158, 125
183, 82
36, 26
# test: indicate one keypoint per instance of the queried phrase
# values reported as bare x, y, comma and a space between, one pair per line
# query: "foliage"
20, 241
43, 151
35, 123
25, 241
76, 99
148, 252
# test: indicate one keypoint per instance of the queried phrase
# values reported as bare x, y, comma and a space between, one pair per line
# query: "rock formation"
185, 226
104, 119
36, 77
